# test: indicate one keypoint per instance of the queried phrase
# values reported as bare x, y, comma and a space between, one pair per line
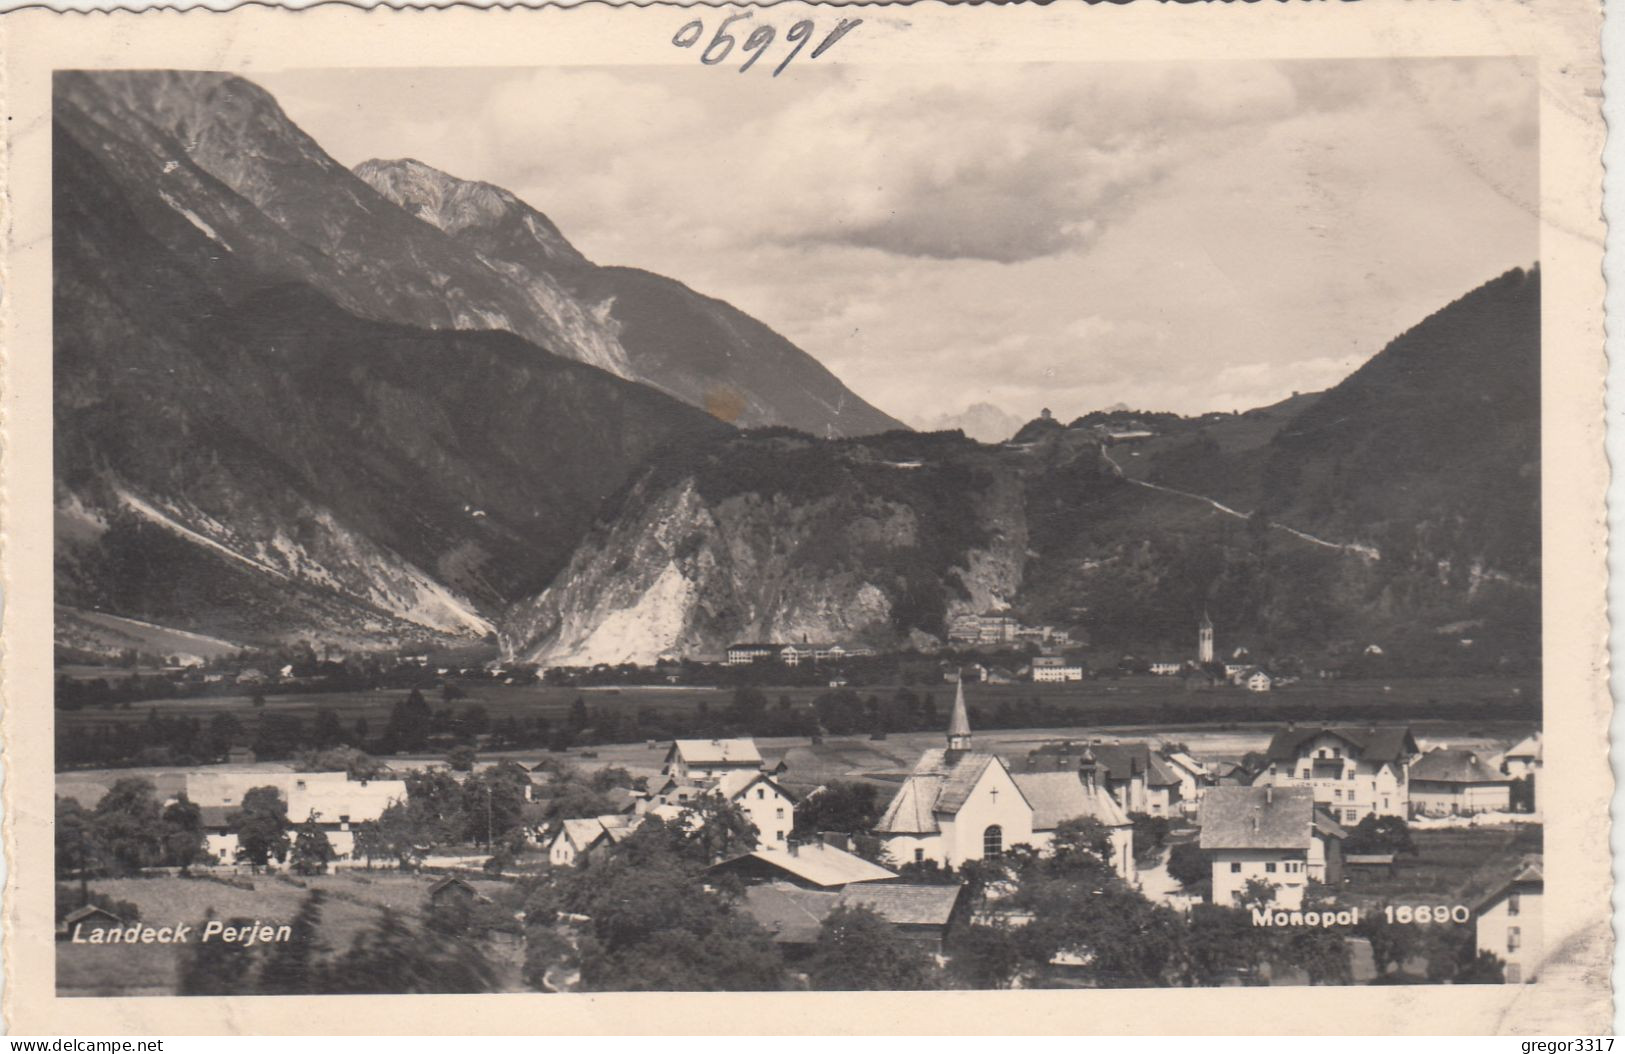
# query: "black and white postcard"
1048, 505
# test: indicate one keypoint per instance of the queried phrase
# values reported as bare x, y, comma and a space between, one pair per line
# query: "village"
942, 852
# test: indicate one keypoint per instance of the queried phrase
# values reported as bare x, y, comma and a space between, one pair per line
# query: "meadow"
355, 899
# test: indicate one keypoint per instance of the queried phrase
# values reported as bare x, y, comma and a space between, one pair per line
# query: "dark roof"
903, 905
1113, 761
1528, 874
1057, 797
1447, 765
1258, 818
1378, 743
790, 913
756, 644
451, 882
78, 915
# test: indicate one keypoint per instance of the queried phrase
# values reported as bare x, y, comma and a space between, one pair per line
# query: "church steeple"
1204, 640
959, 723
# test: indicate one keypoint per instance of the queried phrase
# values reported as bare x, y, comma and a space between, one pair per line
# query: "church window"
993, 841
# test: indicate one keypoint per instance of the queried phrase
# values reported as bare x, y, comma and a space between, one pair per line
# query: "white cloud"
1183, 237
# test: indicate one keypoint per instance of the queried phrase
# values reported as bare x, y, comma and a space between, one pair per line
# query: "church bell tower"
959, 723
1204, 640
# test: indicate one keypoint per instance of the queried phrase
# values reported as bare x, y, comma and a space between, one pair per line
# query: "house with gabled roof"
1508, 920
1057, 797
1271, 834
703, 759
1354, 771
577, 839
813, 864
957, 804
1136, 778
1449, 782
921, 913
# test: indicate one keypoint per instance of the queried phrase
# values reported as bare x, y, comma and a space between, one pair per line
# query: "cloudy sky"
1179, 237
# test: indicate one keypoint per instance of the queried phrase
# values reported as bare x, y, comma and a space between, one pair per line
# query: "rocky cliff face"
859, 542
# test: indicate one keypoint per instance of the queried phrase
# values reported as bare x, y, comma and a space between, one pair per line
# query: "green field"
354, 901
1451, 866
1143, 697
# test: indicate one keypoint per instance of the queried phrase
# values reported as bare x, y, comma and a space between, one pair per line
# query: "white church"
963, 804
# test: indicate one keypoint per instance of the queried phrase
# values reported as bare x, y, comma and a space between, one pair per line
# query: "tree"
1222, 943
262, 827
397, 833
312, 851
184, 841
295, 966
409, 721
858, 950
461, 759
126, 826
716, 829
1188, 865
74, 850
1380, 834
987, 955
327, 731
842, 806
217, 967
391, 957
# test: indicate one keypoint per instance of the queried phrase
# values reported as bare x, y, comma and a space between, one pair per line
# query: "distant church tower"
1204, 640
959, 723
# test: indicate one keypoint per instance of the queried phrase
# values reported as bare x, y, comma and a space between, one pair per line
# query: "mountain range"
296, 401
289, 403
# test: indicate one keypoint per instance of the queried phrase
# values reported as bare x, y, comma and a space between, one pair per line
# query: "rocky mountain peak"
457, 205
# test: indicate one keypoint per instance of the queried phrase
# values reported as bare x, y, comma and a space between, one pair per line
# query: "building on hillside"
336, 802
1060, 673
1509, 921
744, 654
240, 756
1447, 782
703, 759
812, 864
923, 913
958, 804
1354, 772
1057, 797
1256, 679
1274, 835
1204, 640
1167, 669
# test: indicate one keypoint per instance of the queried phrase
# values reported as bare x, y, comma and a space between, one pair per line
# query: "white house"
1508, 922
744, 654
575, 838
1166, 669
1275, 835
1057, 674
1257, 681
337, 802
703, 759
1447, 782
768, 805
958, 804
1192, 775
1354, 772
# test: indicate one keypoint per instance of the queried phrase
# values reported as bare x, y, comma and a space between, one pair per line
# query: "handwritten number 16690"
760, 38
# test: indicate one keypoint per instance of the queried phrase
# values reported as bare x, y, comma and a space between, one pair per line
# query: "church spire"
959, 723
